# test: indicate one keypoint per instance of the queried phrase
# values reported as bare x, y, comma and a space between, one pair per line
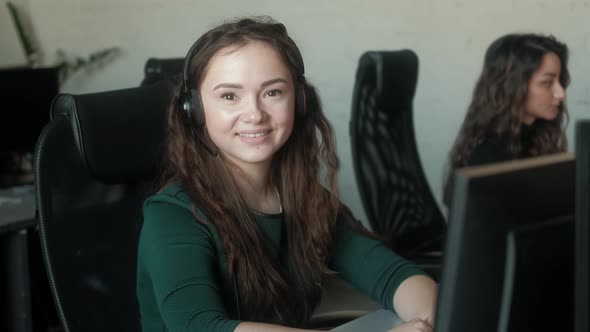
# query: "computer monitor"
582, 312
509, 257
26, 99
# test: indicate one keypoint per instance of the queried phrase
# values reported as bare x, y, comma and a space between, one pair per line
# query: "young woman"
241, 234
518, 105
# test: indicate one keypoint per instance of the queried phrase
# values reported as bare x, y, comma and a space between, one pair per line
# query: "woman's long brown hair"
269, 291
497, 105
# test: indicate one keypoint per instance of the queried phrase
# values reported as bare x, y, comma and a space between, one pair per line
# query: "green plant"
67, 65
31, 53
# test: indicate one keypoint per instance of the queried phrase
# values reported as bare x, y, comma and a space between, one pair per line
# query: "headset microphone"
212, 150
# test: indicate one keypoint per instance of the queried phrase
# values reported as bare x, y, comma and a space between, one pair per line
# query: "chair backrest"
156, 69
91, 162
395, 194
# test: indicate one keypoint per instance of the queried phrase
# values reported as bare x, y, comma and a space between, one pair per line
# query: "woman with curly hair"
246, 224
518, 106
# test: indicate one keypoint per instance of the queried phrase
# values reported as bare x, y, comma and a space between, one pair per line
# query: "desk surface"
17, 208
378, 321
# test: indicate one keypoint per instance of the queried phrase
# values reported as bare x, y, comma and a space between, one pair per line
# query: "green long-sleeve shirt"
182, 278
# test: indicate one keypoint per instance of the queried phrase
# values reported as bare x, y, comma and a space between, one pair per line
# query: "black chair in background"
162, 69
395, 194
91, 161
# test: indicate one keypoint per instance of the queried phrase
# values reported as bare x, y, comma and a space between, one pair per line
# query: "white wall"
450, 38
11, 51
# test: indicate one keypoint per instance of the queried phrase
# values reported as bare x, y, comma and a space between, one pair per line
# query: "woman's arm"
178, 281
416, 298
370, 266
380, 273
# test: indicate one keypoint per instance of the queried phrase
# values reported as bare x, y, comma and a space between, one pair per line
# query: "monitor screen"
26, 99
582, 312
509, 247
537, 294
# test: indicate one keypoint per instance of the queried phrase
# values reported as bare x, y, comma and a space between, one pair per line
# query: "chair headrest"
394, 74
162, 69
119, 134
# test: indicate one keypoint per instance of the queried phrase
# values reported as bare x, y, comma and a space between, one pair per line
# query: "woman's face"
248, 97
545, 93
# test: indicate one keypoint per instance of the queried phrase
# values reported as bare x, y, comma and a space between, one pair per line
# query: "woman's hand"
415, 325
416, 298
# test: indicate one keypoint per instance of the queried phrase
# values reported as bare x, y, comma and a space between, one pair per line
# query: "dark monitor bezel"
582, 297
487, 201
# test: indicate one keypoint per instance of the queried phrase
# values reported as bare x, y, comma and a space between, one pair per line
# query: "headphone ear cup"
186, 106
301, 100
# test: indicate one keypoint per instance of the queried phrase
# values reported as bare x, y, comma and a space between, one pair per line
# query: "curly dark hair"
497, 105
268, 292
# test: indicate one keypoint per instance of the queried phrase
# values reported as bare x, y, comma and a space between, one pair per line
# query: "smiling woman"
240, 234
248, 95
518, 106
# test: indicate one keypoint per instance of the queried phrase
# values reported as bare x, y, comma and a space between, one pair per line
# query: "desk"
17, 208
17, 217
378, 321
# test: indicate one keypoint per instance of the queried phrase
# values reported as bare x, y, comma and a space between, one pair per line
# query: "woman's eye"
274, 93
229, 96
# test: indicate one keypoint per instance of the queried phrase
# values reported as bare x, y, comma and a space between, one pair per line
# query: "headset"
190, 100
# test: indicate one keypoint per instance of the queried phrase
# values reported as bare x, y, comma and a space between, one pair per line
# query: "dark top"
182, 278
494, 149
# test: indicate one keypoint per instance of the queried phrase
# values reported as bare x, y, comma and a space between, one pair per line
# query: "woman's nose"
254, 112
559, 91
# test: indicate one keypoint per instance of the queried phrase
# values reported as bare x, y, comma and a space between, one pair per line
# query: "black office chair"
156, 69
394, 191
91, 161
